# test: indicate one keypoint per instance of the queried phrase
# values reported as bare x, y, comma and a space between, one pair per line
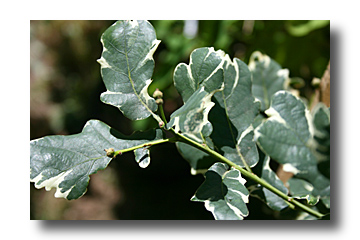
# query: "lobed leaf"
286, 135
268, 78
127, 66
223, 193
228, 126
204, 69
233, 115
197, 83
66, 162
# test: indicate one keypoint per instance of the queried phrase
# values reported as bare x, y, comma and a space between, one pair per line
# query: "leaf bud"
159, 101
157, 94
109, 152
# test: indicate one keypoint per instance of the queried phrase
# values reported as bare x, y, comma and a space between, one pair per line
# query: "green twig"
148, 144
162, 114
179, 137
291, 202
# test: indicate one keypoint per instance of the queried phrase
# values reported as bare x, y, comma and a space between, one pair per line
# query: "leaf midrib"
130, 70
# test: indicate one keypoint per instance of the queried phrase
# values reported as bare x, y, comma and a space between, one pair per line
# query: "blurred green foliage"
306, 56
66, 85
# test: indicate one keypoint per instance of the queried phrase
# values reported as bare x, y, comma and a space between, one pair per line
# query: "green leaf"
307, 216
301, 189
198, 160
321, 149
223, 193
233, 115
230, 129
263, 170
193, 115
272, 200
321, 120
268, 78
127, 66
286, 135
204, 69
65, 162
197, 83
142, 156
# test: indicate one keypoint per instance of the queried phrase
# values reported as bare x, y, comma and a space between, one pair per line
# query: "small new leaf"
205, 69
142, 156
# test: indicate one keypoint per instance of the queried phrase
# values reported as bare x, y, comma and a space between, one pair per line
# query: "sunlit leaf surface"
127, 66
66, 162
223, 193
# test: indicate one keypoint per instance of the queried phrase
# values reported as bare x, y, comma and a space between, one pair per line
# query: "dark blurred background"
65, 88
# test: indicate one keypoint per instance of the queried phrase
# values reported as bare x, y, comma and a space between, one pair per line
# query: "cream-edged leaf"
197, 83
233, 115
142, 156
302, 189
287, 135
203, 70
66, 162
284, 136
273, 200
268, 78
263, 170
321, 121
193, 115
233, 107
223, 193
127, 66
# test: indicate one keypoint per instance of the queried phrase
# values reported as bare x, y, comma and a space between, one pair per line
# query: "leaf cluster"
236, 120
